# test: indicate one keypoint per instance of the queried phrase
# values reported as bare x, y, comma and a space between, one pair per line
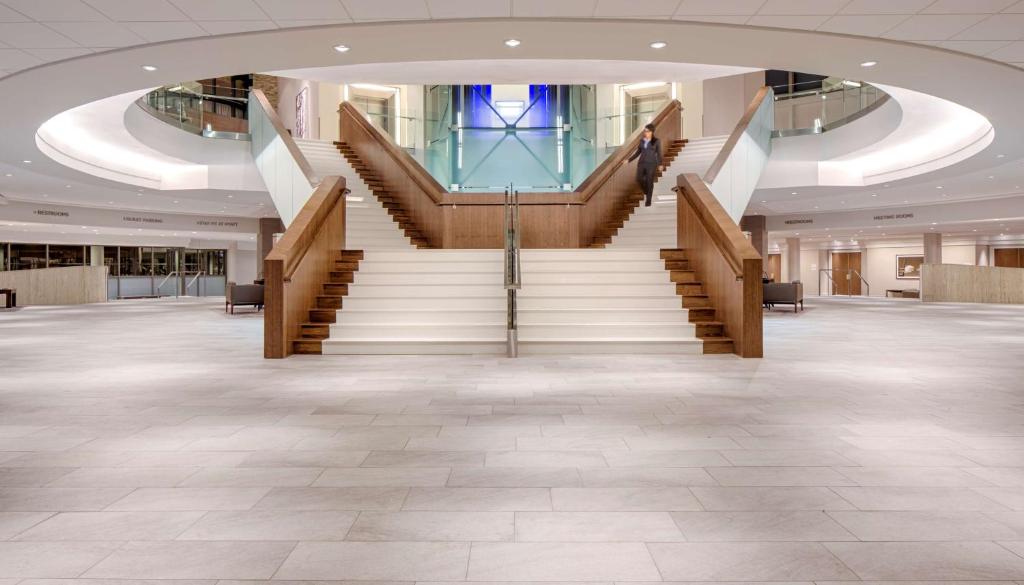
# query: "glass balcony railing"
819, 106
200, 109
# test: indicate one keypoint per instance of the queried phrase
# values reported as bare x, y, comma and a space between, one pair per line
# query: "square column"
793, 259
933, 248
757, 225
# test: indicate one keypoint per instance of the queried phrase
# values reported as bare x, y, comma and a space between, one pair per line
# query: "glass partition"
200, 108
28, 256
3, 256
820, 105
59, 256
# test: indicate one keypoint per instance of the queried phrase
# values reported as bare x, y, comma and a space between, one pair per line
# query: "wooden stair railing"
717, 272
307, 274
610, 193
410, 194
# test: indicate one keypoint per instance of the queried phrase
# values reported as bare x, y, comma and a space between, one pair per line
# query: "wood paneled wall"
956, 283
300, 263
459, 220
68, 285
726, 262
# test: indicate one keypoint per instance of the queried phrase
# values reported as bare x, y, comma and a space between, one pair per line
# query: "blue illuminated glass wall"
544, 142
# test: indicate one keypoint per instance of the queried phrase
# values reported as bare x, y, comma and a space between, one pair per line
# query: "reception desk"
72, 285
954, 283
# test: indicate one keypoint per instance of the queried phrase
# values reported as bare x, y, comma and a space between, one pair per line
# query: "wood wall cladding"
955, 283
727, 263
300, 263
67, 285
460, 220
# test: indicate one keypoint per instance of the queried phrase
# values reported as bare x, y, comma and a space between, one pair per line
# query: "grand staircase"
369, 224
655, 226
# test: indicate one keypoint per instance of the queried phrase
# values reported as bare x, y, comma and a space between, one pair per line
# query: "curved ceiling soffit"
988, 87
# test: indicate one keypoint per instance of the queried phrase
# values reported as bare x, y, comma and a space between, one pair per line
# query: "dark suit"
647, 168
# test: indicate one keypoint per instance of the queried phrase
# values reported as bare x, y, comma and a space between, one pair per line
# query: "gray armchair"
784, 293
243, 294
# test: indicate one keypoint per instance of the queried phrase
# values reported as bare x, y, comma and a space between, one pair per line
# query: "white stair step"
418, 331
526, 303
529, 347
621, 315
439, 256
585, 254
351, 316
423, 291
601, 290
604, 330
455, 279
388, 267
493, 303
378, 346
660, 276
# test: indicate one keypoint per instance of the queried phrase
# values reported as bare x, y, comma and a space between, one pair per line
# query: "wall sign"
894, 216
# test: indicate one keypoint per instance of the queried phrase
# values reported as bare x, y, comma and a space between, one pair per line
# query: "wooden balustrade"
461, 220
727, 264
612, 183
300, 263
415, 190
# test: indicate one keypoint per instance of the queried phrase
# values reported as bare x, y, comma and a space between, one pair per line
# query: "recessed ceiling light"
342, 48
28, 162
512, 42
8, 175
874, 194
659, 45
869, 64
149, 67
793, 193
938, 187
1000, 156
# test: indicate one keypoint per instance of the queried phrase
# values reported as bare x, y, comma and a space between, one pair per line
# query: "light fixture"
8, 175
342, 48
1000, 156
869, 64
28, 162
659, 45
149, 68
512, 42
938, 187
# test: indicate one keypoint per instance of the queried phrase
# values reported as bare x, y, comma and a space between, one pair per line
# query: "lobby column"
932, 248
265, 240
757, 225
793, 259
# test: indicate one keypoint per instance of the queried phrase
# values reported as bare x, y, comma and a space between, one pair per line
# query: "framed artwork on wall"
302, 113
908, 267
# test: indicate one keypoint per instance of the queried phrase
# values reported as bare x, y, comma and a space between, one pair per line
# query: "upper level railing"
513, 268
288, 175
212, 111
819, 106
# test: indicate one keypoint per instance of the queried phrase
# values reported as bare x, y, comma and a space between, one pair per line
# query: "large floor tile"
791, 525
55, 560
328, 498
759, 561
166, 499
267, 525
931, 525
193, 560
370, 561
561, 562
111, 526
929, 560
596, 527
623, 499
433, 526
479, 499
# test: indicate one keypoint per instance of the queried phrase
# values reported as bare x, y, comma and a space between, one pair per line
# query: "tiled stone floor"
878, 440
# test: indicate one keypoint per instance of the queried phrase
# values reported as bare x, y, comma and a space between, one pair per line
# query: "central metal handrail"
171, 274
849, 271
513, 267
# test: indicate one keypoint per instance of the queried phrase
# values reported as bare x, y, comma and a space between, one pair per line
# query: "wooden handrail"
734, 137
607, 169
289, 142
729, 266
415, 170
300, 262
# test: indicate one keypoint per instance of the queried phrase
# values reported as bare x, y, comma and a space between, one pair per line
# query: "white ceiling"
33, 32
515, 71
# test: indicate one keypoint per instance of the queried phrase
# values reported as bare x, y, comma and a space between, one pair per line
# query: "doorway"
1009, 257
846, 271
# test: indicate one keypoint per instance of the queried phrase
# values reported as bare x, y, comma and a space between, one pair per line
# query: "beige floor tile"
932, 525
384, 477
192, 560
921, 498
561, 562
756, 561
788, 525
479, 499
267, 525
14, 523
369, 561
171, 499
770, 498
54, 560
929, 560
111, 526
596, 527
624, 499
327, 498
433, 526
